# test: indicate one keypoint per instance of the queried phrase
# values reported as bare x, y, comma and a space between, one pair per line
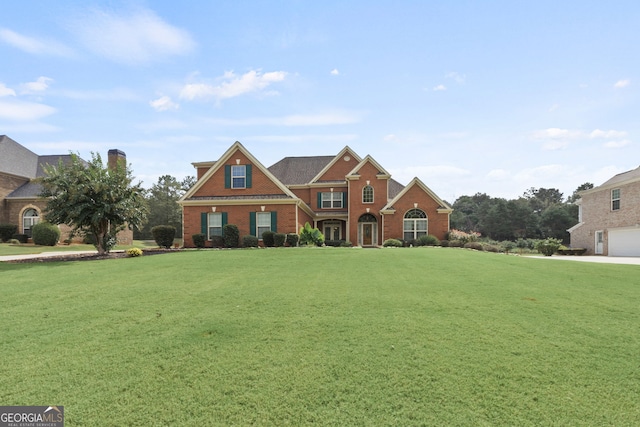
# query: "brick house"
345, 196
609, 217
19, 201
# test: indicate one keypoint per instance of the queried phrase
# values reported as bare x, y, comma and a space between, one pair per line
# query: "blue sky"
469, 96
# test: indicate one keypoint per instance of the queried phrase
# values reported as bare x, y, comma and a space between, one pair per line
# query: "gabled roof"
444, 207
616, 180
299, 170
345, 151
368, 159
16, 159
237, 146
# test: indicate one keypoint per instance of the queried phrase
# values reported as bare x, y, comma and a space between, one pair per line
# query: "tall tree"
162, 199
576, 194
91, 197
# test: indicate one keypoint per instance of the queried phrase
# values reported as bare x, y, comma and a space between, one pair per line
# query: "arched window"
30, 217
415, 224
367, 194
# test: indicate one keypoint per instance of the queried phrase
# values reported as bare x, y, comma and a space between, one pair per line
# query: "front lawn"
323, 336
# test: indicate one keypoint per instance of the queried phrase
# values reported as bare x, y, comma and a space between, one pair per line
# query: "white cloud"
115, 94
622, 83
556, 133
617, 144
131, 37
24, 111
164, 103
40, 85
33, 45
607, 134
5, 91
439, 88
335, 72
458, 77
556, 144
232, 85
320, 119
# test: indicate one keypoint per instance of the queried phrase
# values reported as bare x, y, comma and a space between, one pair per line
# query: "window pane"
421, 225
409, 225
263, 219
408, 236
237, 170
215, 220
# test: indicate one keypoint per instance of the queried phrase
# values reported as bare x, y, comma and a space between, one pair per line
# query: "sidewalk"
44, 255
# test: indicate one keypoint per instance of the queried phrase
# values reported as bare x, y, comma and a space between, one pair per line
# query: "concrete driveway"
592, 258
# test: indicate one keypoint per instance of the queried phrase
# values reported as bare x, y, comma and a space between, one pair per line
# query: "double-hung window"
332, 199
215, 224
238, 176
615, 199
263, 223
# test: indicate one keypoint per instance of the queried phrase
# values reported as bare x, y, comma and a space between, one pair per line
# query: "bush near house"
292, 239
311, 236
392, 243
548, 246
164, 235
45, 234
249, 241
231, 235
134, 252
268, 239
428, 240
199, 240
279, 239
217, 241
22, 238
7, 231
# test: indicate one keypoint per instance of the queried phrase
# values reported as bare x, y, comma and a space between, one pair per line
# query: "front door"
367, 234
599, 242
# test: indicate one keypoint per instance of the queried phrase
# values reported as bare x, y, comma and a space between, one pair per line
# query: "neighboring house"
345, 196
609, 217
19, 190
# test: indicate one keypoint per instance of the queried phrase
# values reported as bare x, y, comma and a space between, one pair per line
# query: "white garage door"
624, 242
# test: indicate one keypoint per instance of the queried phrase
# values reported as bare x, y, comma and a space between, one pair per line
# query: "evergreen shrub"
394, 243
292, 239
217, 241
429, 240
7, 231
268, 238
199, 240
249, 241
231, 235
45, 234
548, 246
22, 238
279, 239
474, 245
164, 235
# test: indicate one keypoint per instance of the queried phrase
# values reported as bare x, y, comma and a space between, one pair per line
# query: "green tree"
576, 194
162, 199
92, 198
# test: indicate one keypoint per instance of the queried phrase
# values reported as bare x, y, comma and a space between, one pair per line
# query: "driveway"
43, 255
592, 258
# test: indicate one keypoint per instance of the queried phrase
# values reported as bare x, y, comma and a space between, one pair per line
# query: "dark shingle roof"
299, 170
394, 188
16, 159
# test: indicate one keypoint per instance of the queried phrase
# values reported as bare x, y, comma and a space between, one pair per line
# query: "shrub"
22, 238
268, 238
311, 236
292, 239
548, 246
429, 240
462, 236
45, 234
279, 239
217, 241
474, 245
334, 243
164, 235
491, 248
199, 240
14, 241
346, 244
134, 252
508, 246
231, 235
444, 243
455, 243
393, 243
249, 241
6, 231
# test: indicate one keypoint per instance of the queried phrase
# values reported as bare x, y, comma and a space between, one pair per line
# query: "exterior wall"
260, 183
438, 223
340, 168
313, 203
356, 208
8, 183
239, 215
598, 216
304, 194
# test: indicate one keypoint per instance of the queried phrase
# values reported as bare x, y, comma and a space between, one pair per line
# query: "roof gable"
382, 172
333, 170
220, 163
416, 182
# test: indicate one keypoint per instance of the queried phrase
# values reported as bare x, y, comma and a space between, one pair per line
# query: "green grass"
323, 336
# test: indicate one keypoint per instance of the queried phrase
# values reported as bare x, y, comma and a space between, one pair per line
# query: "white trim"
445, 208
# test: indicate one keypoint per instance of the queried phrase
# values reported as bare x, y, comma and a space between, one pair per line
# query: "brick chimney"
116, 156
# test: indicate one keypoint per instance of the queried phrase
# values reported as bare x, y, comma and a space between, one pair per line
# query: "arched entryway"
367, 230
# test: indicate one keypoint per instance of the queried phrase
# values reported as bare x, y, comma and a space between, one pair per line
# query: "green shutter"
224, 221
203, 223
227, 176
247, 171
344, 199
252, 224
274, 222
319, 200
